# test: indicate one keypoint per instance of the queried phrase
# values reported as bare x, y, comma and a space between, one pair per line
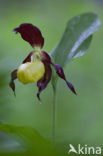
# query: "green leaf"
30, 139
76, 38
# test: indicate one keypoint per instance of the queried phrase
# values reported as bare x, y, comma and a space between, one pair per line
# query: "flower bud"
30, 72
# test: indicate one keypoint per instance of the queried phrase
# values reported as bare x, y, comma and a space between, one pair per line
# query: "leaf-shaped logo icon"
72, 149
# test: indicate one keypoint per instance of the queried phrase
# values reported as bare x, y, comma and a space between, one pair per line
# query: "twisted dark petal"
61, 74
30, 34
28, 58
71, 87
14, 73
42, 83
13, 77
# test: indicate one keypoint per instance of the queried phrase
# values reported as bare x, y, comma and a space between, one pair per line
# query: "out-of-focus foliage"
31, 142
79, 119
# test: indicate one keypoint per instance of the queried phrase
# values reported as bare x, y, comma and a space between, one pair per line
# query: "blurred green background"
79, 118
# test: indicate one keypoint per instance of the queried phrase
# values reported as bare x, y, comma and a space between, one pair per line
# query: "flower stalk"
54, 115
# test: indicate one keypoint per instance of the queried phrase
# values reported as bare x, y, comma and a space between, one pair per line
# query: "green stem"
54, 115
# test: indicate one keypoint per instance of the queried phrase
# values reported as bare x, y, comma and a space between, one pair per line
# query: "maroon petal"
28, 58
30, 34
61, 74
42, 83
13, 77
45, 57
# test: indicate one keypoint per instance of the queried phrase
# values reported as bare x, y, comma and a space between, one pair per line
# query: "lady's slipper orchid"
37, 65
